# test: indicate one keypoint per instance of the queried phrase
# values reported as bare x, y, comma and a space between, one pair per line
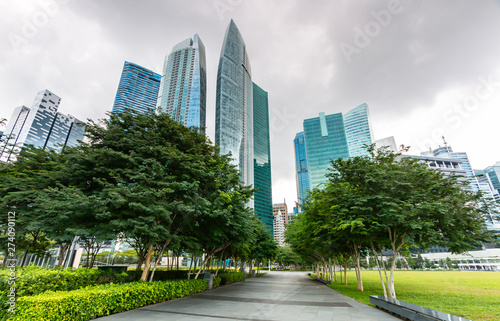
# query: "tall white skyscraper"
40, 126
234, 104
183, 84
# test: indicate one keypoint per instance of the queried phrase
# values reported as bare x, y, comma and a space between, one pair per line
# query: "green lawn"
473, 295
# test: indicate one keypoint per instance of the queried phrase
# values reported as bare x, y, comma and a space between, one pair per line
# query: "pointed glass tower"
234, 104
184, 83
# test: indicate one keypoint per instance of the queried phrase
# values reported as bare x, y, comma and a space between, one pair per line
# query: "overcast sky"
425, 68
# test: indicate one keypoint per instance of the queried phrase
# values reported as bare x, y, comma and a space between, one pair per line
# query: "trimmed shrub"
231, 277
217, 281
35, 280
102, 300
162, 275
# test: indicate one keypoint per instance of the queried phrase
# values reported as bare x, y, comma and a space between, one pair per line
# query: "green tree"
388, 201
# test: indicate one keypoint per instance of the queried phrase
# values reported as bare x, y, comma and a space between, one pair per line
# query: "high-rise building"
282, 209
263, 199
234, 104
326, 138
279, 229
475, 184
138, 89
358, 130
183, 87
40, 126
492, 173
302, 175
389, 143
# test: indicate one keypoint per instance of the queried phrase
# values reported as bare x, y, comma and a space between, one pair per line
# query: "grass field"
473, 295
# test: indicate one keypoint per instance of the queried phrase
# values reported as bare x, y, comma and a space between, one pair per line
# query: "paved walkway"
286, 296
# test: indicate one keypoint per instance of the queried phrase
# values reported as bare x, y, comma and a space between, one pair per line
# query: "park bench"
411, 311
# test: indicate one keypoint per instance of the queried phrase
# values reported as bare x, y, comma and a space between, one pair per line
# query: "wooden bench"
411, 311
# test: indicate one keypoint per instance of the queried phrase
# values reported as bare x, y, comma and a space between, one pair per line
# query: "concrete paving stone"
273, 297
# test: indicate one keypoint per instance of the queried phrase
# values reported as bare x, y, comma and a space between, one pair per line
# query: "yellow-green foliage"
102, 300
473, 295
231, 277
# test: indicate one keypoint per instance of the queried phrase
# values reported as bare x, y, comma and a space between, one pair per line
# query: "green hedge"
102, 300
35, 280
217, 281
231, 277
161, 274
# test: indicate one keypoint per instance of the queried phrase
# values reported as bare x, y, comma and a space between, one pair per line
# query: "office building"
263, 199
283, 209
475, 184
389, 143
137, 90
279, 229
183, 87
491, 175
301, 173
234, 105
326, 138
358, 130
40, 126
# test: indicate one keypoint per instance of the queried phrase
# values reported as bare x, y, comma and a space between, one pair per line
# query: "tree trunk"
250, 268
158, 259
345, 270
62, 250
378, 267
340, 273
146, 264
139, 264
202, 266
190, 266
23, 261
334, 269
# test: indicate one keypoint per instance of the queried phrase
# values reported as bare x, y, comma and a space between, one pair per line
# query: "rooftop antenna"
446, 145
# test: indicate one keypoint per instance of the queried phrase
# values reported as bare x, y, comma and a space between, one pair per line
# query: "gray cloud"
412, 73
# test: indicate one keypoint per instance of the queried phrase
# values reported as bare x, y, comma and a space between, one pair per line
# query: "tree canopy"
386, 201
144, 177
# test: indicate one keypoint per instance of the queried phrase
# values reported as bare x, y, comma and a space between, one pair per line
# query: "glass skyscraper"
183, 86
263, 200
326, 138
234, 104
40, 126
302, 175
138, 89
358, 130
493, 175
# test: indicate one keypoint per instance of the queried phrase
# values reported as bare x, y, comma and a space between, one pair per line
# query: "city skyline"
423, 73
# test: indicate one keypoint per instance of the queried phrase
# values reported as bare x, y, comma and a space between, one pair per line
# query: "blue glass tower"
263, 199
234, 104
325, 140
138, 89
358, 130
302, 174
184, 83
